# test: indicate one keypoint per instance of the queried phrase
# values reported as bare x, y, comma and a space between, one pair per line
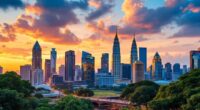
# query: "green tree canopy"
72, 103
11, 100
12, 81
131, 88
181, 94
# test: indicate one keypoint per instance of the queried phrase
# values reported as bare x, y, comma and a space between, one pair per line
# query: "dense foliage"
84, 92
12, 81
72, 103
139, 91
182, 94
15, 94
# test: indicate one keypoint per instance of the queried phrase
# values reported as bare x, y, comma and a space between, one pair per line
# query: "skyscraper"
176, 68
69, 65
88, 68
116, 59
137, 71
185, 69
78, 73
62, 70
36, 56
157, 67
1, 69
47, 70
134, 54
176, 71
126, 71
168, 71
53, 61
143, 57
37, 73
105, 63
195, 59
37, 78
25, 72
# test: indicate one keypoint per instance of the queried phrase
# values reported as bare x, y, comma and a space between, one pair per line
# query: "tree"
12, 81
130, 89
11, 100
84, 92
72, 103
181, 94
38, 95
142, 95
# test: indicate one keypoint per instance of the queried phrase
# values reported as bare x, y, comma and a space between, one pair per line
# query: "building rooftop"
37, 46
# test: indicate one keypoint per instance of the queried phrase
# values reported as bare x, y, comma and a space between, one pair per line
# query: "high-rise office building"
137, 71
195, 59
78, 73
37, 77
116, 59
37, 73
185, 69
1, 69
36, 56
176, 71
88, 68
62, 70
69, 65
143, 57
176, 68
53, 61
105, 63
134, 54
168, 71
126, 71
25, 72
47, 70
157, 67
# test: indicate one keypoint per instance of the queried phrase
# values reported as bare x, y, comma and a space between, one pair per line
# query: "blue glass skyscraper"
105, 63
88, 68
143, 57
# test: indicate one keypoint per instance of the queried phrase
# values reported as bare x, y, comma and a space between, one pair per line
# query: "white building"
104, 79
78, 73
37, 77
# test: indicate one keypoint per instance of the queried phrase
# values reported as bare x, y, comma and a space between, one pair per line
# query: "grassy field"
105, 93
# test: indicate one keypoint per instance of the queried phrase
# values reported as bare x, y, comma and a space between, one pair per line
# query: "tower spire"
116, 35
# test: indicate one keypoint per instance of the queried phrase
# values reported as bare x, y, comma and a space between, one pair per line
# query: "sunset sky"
171, 27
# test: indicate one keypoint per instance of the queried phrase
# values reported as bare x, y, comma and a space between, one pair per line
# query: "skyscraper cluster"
134, 71
128, 71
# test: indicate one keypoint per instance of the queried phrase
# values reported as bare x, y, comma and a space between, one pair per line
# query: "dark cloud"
185, 13
188, 31
99, 12
104, 6
54, 15
5, 4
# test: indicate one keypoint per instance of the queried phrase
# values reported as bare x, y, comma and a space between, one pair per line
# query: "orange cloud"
31, 9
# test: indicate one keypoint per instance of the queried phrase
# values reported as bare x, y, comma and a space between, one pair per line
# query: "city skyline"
17, 37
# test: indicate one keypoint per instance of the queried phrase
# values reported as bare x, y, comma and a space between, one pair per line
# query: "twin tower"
116, 57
